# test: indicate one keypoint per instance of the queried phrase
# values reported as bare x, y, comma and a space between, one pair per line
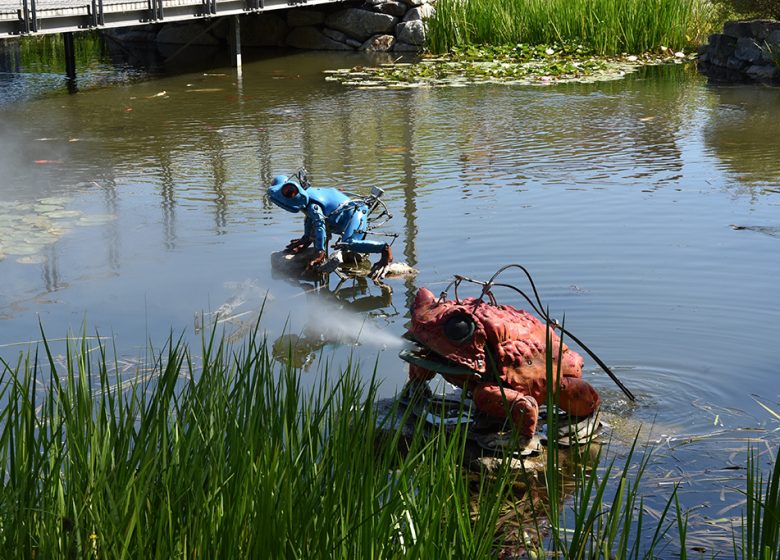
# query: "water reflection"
152, 208
742, 131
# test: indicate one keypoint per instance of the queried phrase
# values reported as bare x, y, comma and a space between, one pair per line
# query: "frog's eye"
289, 191
459, 327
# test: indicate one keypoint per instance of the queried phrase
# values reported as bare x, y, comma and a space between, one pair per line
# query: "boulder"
412, 32
720, 48
263, 30
419, 13
392, 8
737, 29
311, 38
763, 72
748, 50
341, 37
400, 46
761, 29
305, 16
378, 43
360, 24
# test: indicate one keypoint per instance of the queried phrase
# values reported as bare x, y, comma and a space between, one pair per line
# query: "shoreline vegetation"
228, 454
543, 42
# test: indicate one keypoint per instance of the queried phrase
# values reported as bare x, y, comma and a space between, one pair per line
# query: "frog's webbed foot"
379, 269
297, 245
415, 390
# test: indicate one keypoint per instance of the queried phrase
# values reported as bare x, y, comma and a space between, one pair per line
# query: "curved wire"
538, 309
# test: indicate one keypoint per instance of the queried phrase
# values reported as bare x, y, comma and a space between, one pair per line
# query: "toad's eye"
458, 327
289, 190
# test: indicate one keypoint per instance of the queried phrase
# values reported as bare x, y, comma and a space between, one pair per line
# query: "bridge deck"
37, 17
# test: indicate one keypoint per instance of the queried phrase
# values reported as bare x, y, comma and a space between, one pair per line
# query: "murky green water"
136, 208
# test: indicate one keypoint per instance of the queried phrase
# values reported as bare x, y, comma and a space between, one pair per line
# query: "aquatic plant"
609, 27
232, 455
760, 531
513, 64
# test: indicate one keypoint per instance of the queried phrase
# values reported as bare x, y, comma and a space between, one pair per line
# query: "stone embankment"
373, 25
746, 51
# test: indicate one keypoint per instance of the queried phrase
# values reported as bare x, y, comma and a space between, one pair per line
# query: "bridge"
39, 17
20, 18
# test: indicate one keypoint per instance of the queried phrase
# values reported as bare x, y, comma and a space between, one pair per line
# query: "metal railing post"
33, 17
25, 17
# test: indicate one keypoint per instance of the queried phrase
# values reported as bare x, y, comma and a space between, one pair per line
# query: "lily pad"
59, 214
55, 200
23, 249
37, 221
95, 219
32, 259
518, 64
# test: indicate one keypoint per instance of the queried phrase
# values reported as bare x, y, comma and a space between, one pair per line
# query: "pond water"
647, 211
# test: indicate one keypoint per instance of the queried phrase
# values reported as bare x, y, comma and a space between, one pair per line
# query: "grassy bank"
234, 458
609, 27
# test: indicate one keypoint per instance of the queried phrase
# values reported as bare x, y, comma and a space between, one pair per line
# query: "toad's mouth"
421, 355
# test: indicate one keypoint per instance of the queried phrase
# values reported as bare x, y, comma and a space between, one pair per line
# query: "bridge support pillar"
70, 60
234, 38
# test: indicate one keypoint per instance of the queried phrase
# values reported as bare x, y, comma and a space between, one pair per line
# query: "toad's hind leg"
503, 402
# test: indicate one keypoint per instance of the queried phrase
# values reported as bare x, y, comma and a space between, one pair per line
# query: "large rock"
748, 50
745, 52
405, 47
763, 72
391, 7
737, 29
419, 13
311, 38
341, 37
721, 48
761, 29
305, 16
412, 32
379, 43
263, 30
360, 24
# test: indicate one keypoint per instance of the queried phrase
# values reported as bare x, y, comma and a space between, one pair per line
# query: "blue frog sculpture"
328, 211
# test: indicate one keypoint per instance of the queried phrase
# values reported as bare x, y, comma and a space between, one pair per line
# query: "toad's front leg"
504, 402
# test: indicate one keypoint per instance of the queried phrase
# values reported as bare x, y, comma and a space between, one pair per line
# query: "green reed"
232, 455
608, 27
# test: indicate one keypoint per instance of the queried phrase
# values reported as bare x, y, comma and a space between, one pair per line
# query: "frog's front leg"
417, 385
577, 397
504, 402
573, 395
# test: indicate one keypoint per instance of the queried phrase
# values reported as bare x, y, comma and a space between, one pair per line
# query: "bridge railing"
37, 17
